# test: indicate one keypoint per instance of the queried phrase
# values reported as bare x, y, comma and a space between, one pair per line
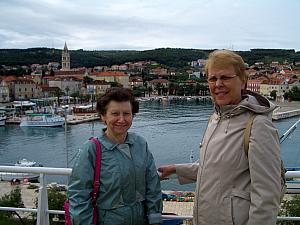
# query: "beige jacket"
231, 188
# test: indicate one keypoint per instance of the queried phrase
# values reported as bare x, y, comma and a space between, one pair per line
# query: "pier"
286, 110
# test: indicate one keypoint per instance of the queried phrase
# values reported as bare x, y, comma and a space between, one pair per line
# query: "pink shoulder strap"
96, 177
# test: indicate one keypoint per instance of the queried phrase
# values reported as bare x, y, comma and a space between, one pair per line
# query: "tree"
139, 91
290, 207
273, 94
56, 199
293, 94
58, 93
13, 199
67, 89
87, 80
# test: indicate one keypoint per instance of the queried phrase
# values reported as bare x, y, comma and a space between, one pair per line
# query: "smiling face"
118, 118
225, 91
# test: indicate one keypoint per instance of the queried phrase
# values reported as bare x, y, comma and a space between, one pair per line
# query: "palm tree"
58, 94
67, 89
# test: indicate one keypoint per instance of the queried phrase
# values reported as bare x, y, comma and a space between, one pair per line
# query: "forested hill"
173, 57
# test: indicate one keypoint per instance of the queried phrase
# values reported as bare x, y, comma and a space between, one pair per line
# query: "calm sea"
173, 132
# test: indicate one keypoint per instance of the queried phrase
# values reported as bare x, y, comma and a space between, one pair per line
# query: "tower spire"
65, 58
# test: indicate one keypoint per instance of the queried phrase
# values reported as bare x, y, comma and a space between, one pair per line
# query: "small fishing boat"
42, 120
12, 176
2, 118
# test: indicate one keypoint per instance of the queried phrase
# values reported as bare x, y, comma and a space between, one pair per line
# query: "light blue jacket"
130, 192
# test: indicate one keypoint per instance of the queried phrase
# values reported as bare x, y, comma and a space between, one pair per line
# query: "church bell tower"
65, 59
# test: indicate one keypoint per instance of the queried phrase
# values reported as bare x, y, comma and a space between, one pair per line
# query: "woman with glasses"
234, 187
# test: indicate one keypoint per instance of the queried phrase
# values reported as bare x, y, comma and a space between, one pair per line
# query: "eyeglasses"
222, 78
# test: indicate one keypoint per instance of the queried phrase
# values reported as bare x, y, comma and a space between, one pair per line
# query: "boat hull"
41, 124
8, 176
2, 121
42, 120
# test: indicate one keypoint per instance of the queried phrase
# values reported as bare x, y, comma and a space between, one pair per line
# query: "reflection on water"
173, 131
50, 132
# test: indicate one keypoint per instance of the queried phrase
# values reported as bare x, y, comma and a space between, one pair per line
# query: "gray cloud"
145, 24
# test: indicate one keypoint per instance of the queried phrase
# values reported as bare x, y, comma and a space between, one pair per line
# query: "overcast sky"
149, 24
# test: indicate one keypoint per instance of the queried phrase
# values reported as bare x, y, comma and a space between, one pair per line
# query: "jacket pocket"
140, 178
114, 217
240, 205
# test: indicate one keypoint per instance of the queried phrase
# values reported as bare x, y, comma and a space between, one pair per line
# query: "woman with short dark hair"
130, 192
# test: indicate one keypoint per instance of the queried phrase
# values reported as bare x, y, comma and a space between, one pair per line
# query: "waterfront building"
119, 77
279, 85
136, 81
4, 91
98, 87
254, 84
25, 88
158, 84
69, 85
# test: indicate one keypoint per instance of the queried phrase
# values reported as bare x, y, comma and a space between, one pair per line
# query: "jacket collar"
109, 145
250, 102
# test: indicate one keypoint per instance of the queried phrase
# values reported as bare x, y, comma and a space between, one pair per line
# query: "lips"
221, 93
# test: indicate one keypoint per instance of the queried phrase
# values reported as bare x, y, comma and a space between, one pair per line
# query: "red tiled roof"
161, 81
100, 82
47, 88
10, 78
136, 79
110, 73
69, 72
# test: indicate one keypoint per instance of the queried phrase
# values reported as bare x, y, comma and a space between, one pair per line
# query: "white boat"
12, 176
42, 120
2, 119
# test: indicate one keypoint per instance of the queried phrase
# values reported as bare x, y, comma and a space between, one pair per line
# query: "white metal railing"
43, 211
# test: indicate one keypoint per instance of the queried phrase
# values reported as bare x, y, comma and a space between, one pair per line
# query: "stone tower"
65, 59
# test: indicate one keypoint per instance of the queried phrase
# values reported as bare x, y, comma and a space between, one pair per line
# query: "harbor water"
173, 131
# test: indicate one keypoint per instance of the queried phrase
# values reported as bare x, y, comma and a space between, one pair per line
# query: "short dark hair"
117, 94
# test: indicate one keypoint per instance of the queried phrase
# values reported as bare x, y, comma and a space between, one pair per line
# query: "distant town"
62, 83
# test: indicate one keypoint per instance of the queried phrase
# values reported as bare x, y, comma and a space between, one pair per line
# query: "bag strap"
247, 132
96, 177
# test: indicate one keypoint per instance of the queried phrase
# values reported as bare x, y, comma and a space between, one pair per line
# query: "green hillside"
172, 57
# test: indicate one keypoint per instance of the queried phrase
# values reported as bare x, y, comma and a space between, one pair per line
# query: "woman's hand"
166, 170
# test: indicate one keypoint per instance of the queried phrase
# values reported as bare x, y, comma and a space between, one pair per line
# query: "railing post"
42, 213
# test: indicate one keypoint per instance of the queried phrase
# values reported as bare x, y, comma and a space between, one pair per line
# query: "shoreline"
74, 119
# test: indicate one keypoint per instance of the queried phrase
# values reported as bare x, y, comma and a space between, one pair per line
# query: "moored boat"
12, 176
42, 120
2, 119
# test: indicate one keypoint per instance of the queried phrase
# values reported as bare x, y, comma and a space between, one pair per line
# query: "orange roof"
69, 72
10, 78
110, 73
161, 81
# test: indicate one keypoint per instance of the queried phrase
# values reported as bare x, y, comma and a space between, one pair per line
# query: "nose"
121, 118
219, 82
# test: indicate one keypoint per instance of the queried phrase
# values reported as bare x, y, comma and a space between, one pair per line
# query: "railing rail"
43, 211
